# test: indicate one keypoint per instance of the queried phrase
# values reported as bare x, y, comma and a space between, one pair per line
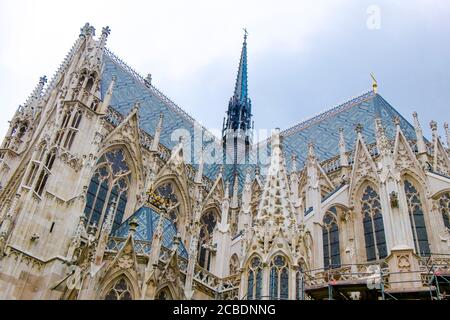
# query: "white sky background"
304, 56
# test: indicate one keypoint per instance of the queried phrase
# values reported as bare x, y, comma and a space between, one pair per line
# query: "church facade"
109, 190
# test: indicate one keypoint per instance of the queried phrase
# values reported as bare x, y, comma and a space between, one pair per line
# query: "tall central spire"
240, 89
239, 107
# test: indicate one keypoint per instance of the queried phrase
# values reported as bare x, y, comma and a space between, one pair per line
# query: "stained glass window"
299, 285
254, 283
119, 291
109, 184
444, 204
330, 233
164, 294
279, 279
415, 210
208, 222
373, 225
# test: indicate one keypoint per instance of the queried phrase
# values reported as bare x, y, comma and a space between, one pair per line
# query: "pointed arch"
372, 222
208, 223
330, 238
119, 289
170, 187
254, 277
416, 210
112, 182
129, 284
279, 278
165, 293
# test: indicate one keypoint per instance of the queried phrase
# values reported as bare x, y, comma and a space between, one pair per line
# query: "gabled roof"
323, 130
147, 219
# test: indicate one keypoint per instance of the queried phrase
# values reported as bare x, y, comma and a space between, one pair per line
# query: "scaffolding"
374, 281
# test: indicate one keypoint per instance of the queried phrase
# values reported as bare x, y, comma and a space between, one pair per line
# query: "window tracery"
110, 183
330, 235
373, 225
254, 280
417, 219
121, 290
279, 279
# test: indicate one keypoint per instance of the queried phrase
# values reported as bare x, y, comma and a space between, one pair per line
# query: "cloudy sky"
304, 56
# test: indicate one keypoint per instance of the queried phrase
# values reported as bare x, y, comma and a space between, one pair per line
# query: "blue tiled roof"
323, 130
130, 88
148, 220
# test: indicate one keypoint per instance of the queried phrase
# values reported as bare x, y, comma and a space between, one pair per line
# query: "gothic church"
109, 190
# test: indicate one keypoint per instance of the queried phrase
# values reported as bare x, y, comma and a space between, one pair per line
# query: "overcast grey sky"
304, 56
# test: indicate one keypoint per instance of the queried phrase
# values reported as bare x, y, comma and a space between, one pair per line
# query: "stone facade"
94, 205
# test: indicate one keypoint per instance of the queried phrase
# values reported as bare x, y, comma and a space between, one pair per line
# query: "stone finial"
104, 37
199, 174
248, 178
447, 134
396, 121
294, 163
421, 147
136, 106
227, 190
343, 158
382, 141
359, 128
234, 200
148, 79
42, 81
106, 31
416, 120
87, 30
157, 136
133, 224
311, 153
275, 140
433, 127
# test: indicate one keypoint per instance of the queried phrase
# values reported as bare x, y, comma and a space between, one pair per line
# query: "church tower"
237, 125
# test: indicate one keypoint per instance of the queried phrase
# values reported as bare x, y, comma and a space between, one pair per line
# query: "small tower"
237, 126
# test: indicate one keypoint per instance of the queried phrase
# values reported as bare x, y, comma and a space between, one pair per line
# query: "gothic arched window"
254, 282
164, 294
46, 170
330, 233
373, 225
167, 192
299, 284
35, 164
109, 184
444, 204
68, 129
73, 129
416, 217
121, 290
279, 279
208, 222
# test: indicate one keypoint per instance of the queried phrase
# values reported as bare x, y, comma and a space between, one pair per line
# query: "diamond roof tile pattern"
147, 219
322, 130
